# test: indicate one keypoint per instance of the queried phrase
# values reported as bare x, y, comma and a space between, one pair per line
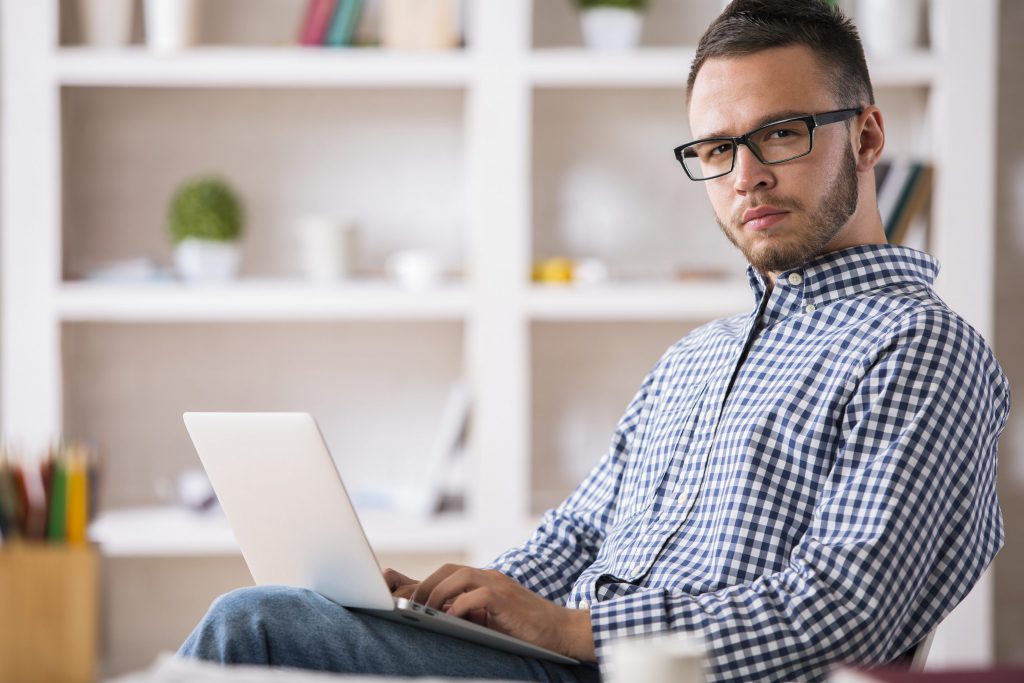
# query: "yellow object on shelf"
49, 617
553, 270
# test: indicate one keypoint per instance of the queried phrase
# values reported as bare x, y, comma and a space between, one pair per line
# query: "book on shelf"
342, 29
319, 14
903, 188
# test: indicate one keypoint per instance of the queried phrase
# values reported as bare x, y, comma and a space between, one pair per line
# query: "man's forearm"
579, 636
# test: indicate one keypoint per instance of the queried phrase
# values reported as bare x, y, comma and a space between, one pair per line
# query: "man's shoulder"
926, 329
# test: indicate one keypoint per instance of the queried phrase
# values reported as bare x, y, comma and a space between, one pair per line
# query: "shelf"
169, 531
285, 66
582, 68
669, 68
289, 66
640, 301
257, 300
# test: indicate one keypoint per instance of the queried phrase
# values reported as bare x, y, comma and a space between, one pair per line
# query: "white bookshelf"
257, 300
487, 110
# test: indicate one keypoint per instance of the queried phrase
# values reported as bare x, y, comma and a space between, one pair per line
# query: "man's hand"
490, 598
400, 585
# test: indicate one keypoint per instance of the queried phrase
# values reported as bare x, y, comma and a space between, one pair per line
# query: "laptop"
296, 526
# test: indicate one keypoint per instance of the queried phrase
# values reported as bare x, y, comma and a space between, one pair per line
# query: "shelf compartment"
618, 195
279, 67
253, 300
668, 67
353, 155
690, 301
171, 531
583, 376
377, 390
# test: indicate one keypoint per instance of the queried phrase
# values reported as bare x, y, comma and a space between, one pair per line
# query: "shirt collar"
841, 275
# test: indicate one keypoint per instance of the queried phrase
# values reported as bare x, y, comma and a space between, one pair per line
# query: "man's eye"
721, 149
782, 133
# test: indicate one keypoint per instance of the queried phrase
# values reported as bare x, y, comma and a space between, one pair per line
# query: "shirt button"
810, 308
795, 278
638, 569
583, 605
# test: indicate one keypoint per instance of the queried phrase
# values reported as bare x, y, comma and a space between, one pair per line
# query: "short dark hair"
749, 26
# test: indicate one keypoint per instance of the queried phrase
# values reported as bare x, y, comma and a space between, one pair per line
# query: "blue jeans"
281, 626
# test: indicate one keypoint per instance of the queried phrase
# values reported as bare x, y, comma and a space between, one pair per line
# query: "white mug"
327, 248
669, 658
106, 23
171, 25
415, 268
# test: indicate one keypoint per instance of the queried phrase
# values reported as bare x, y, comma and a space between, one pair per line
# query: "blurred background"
453, 231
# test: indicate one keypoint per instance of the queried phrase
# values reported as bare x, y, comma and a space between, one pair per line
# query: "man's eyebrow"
766, 119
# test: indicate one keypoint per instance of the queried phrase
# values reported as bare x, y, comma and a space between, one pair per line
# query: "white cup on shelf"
327, 248
171, 25
105, 23
669, 658
415, 268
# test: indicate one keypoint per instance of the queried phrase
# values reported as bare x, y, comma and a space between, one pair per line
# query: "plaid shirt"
809, 483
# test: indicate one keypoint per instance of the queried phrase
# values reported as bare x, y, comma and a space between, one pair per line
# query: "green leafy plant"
635, 5
205, 208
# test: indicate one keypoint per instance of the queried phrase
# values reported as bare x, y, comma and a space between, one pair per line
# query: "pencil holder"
48, 612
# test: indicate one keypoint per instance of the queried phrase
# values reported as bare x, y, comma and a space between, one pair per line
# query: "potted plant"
611, 24
205, 224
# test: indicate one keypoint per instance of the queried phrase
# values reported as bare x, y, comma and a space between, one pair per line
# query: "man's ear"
870, 141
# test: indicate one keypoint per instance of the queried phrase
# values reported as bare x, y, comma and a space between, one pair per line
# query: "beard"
773, 254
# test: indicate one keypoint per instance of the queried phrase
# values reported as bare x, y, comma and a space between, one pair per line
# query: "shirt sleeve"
569, 537
905, 527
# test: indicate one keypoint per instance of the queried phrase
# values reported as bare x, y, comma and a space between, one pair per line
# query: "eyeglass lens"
771, 144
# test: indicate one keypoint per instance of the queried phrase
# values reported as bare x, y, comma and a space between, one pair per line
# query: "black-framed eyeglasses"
772, 143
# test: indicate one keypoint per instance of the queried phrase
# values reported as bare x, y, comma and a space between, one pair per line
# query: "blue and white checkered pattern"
807, 484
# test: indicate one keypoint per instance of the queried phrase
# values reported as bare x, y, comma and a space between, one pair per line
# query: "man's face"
780, 216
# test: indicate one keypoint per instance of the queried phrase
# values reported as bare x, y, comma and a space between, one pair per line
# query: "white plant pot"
890, 28
206, 260
105, 23
611, 28
170, 24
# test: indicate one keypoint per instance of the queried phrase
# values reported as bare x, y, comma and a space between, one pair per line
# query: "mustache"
785, 203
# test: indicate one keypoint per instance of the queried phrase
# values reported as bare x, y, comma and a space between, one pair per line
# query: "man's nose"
749, 173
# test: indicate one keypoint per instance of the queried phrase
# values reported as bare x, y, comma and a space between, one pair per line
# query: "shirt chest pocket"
667, 433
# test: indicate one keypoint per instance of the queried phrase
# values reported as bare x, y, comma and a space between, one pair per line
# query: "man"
807, 484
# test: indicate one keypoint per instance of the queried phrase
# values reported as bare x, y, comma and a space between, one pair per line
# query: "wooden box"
49, 618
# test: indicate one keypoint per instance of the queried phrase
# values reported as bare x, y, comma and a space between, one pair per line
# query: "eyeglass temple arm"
834, 116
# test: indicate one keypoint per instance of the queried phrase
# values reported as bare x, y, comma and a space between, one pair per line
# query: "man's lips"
763, 217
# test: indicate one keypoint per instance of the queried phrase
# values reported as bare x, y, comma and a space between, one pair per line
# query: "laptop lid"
285, 501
